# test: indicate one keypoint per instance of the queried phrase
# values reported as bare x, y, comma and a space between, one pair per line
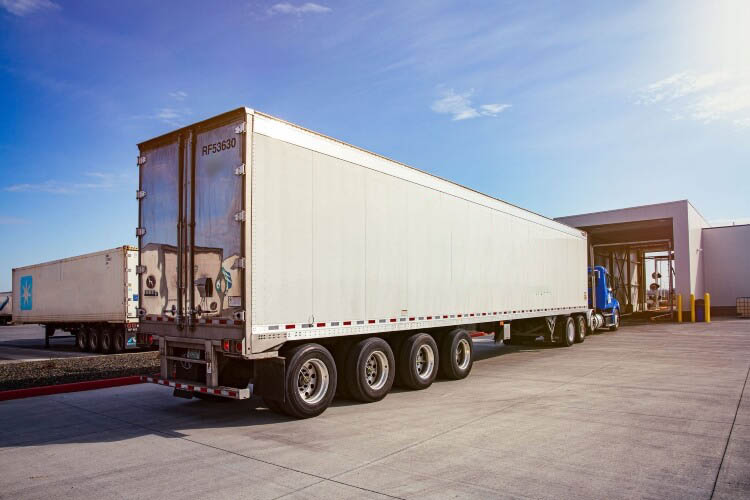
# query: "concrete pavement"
659, 411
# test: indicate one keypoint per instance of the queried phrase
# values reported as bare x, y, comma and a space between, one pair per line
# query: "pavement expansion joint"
729, 436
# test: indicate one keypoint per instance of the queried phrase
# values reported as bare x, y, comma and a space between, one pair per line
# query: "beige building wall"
726, 253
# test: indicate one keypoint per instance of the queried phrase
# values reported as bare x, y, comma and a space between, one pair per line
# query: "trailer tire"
105, 342
615, 320
456, 355
94, 339
418, 361
370, 370
82, 339
581, 328
310, 380
565, 331
118, 341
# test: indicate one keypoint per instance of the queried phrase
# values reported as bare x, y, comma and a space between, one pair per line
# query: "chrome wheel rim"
571, 331
312, 381
582, 327
377, 370
424, 361
463, 354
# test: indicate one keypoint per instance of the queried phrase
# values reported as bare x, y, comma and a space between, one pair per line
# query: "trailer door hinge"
240, 263
240, 170
139, 195
239, 216
140, 269
141, 160
240, 129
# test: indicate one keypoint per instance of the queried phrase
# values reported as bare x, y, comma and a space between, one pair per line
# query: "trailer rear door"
217, 222
192, 226
160, 196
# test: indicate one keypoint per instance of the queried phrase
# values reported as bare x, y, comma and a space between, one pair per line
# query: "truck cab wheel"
94, 339
456, 355
418, 361
82, 339
615, 320
565, 331
370, 370
581, 328
310, 380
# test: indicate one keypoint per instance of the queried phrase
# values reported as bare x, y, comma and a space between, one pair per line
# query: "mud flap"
269, 379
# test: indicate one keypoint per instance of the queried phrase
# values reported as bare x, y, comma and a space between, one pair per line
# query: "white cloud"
178, 95
704, 97
100, 181
298, 10
493, 109
172, 116
461, 107
176, 117
24, 7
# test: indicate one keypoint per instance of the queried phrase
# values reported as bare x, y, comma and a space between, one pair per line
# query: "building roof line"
627, 208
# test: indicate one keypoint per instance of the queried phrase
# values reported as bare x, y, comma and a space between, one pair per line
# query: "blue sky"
559, 107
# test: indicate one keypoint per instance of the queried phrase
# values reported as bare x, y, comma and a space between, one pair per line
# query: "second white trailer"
93, 296
267, 250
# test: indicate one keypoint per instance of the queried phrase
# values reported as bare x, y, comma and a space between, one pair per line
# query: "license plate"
191, 354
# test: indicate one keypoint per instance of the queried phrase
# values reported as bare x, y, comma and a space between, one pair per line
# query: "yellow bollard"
679, 308
692, 308
707, 306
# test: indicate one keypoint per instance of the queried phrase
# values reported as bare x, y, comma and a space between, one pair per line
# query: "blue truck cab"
606, 308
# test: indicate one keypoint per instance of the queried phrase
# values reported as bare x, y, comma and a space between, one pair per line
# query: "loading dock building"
699, 258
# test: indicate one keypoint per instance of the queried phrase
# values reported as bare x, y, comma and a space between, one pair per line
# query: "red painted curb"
74, 387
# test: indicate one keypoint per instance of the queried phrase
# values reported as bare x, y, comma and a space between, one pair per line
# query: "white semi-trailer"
6, 308
92, 296
281, 262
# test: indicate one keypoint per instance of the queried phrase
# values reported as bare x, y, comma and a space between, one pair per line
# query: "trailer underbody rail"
227, 392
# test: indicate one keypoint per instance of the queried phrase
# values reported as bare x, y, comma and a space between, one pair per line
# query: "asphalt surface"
654, 411
26, 343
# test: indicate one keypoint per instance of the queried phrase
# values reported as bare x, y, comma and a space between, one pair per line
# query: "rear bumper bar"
227, 392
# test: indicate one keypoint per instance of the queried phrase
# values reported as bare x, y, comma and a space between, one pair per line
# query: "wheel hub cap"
425, 361
312, 381
463, 354
377, 370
